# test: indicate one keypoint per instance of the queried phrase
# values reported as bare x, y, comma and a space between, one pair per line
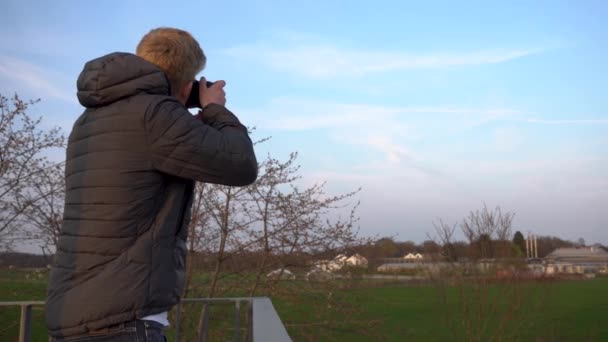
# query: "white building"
340, 261
357, 260
576, 260
412, 256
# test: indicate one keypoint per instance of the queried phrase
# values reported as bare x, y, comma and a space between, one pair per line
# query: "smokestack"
532, 252
535, 247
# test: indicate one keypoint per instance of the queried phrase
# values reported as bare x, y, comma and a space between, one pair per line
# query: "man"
132, 159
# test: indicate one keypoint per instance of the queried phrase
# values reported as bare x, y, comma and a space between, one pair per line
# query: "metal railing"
25, 325
263, 322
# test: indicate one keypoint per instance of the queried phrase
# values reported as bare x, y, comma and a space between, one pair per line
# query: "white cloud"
299, 114
394, 152
323, 60
47, 83
566, 121
387, 131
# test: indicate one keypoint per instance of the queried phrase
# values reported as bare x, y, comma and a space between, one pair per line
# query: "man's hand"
214, 94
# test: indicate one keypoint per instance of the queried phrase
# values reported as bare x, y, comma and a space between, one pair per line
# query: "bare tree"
272, 218
44, 216
238, 235
444, 236
472, 283
489, 232
23, 144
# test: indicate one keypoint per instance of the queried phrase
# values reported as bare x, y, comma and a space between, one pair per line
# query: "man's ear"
184, 93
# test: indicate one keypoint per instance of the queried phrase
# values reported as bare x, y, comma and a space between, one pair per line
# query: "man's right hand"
214, 94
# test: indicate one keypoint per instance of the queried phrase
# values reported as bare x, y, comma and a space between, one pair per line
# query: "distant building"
340, 261
398, 267
412, 256
577, 260
356, 260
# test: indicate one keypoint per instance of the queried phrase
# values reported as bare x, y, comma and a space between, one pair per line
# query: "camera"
193, 100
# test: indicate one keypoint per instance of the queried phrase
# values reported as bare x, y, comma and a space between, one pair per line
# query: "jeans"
134, 331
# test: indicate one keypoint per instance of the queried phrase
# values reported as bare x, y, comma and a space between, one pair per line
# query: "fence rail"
263, 322
25, 325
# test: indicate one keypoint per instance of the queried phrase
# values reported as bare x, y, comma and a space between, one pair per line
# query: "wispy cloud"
394, 152
47, 83
386, 130
299, 114
566, 121
326, 60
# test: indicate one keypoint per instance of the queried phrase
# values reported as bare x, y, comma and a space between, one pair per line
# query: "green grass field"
547, 311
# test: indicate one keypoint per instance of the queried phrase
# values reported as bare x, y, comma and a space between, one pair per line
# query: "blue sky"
433, 108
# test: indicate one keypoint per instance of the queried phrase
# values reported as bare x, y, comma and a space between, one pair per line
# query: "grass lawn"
562, 311
21, 285
549, 311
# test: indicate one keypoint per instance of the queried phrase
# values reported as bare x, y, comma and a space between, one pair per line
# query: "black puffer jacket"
132, 160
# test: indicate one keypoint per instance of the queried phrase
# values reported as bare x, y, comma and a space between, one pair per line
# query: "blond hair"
174, 51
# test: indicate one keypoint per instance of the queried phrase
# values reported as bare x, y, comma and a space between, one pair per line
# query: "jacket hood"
116, 76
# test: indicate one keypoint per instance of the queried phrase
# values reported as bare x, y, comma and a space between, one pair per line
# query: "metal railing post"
178, 315
237, 321
203, 332
267, 325
206, 322
250, 321
25, 328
